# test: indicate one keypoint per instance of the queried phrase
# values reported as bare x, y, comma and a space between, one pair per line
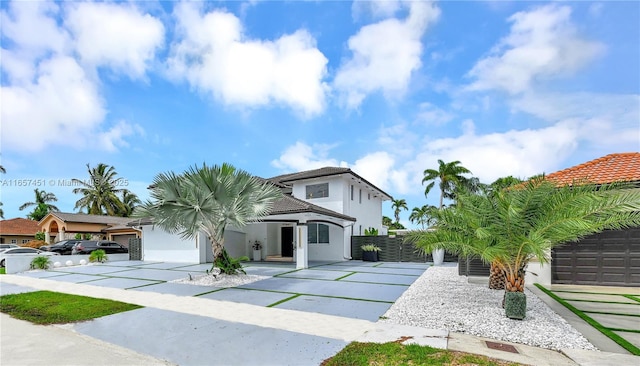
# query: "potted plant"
438, 256
257, 251
370, 252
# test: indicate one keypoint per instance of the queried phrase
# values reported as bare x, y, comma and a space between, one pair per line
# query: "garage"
123, 239
610, 258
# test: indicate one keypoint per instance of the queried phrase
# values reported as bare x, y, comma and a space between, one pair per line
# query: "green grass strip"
316, 295
283, 300
624, 330
616, 338
46, 307
591, 293
3, 270
345, 276
632, 297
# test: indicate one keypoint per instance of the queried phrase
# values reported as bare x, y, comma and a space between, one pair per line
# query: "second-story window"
360, 196
317, 190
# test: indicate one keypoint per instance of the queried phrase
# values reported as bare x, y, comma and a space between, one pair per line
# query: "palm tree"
423, 215
2, 169
43, 205
99, 194
130, 201
516, 225
450, 176
397, 206
208, 199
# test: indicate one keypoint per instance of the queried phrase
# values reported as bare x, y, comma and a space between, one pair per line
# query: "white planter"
438, 256
257, 255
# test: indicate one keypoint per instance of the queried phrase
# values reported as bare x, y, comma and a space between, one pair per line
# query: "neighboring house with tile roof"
320, 211
59, 226
610, 258
17, 231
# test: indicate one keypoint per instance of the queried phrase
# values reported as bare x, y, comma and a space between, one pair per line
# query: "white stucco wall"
538, 273
159, 245
332, 251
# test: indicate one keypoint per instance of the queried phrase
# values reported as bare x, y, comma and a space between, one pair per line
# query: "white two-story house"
320, 211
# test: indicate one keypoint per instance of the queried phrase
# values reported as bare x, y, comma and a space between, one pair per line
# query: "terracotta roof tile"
619, 167
18, 226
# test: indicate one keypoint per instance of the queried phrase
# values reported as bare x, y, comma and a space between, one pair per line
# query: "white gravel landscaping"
441, 299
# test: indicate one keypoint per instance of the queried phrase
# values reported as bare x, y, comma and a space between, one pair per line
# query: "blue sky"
383, 87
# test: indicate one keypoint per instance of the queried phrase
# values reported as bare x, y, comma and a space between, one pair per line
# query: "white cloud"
376, 167
433, 115
215, 57
385, 54
543, 44
61, 107
375, 8
47, 88
115, 35
301, 156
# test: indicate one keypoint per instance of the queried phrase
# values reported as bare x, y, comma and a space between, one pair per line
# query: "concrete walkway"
188, 330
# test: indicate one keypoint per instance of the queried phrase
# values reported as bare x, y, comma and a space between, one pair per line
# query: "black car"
88, 246
62, 247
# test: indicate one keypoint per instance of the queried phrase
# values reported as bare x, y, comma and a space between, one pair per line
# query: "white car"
20, 251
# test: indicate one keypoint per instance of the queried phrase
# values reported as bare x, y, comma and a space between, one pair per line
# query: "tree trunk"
217, 248
496, 277
514, 282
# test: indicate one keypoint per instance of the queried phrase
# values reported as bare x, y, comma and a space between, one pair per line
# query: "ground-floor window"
318, 233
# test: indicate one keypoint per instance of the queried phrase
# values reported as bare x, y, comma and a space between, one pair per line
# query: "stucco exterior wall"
158, 245
328, 252
6, 239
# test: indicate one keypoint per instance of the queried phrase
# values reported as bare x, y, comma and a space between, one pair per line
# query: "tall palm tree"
99, 193
130, 201
516, 225
423, 215
397, 206
43, 204
208, 199
450, 175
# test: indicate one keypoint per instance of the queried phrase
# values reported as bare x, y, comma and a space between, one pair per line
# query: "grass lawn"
3, 270
46, 307
395, 354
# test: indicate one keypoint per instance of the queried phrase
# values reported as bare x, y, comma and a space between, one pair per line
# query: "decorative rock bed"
441, 299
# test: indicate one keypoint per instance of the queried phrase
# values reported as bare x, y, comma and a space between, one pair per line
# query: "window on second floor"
352, 192
317, 190
360, 196
317, 233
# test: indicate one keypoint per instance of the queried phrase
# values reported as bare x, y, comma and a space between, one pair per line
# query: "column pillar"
302, 246
47, 237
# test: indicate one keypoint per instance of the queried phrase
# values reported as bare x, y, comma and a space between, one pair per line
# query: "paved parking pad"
43, 274
152, 274
356, 309
316, 274
177, 289
382, 278
206, 341
387, 270
123, 283
630, 309
94, 269
253, 297
353, 290
266, 271
594, 297
76, 278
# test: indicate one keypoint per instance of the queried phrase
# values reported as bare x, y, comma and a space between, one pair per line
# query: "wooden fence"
393, 249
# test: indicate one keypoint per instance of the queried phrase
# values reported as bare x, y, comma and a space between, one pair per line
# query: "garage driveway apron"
353, 289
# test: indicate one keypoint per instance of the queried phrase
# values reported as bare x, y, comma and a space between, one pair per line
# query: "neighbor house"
610, 258
17, 231
59, 226
320, 210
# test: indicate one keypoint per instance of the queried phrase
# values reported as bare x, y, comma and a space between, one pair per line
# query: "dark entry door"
286, 243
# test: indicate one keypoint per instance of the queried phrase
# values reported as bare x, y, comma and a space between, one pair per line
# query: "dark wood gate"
135, 249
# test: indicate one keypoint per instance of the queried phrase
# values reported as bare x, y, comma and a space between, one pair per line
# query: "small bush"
40, 235
78, 236
98, 256
87, 236
41, 262
229, 265
370, 248
34, 244
515, 305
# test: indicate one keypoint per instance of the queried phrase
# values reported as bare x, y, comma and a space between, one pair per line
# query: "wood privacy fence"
393, 249
135, 249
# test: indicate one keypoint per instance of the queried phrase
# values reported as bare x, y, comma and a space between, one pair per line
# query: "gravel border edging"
441, 299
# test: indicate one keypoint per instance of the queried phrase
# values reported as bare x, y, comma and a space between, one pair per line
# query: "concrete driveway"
616, 309
361, 291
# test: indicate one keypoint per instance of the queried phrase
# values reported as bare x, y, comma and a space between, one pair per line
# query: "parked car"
4, 247
33, 252
62, 247
88, 246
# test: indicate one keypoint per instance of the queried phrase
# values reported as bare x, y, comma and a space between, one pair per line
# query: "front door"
286, 242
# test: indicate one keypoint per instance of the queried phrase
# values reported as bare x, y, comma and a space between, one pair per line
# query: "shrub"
98, 256
34, 244
40, 235
40, 262
229, 265
515, 305
371, 231
370, 248
87, 236
78, 236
